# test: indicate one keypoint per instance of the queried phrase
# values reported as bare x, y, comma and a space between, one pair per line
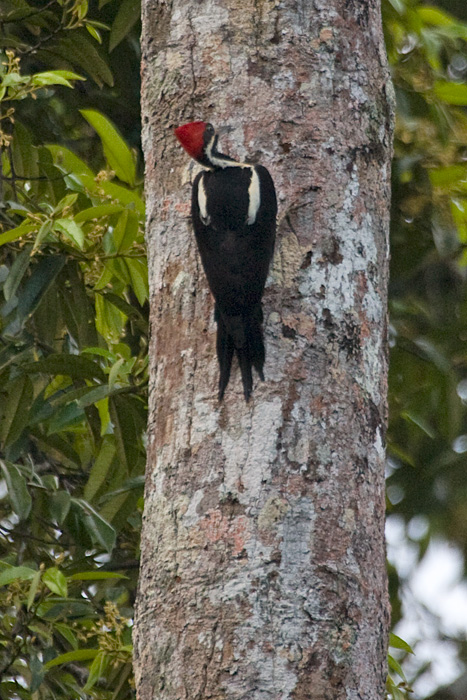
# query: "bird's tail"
242, 335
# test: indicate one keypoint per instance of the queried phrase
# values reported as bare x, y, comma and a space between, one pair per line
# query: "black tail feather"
225, 351
254, 334
245, 368
242, 334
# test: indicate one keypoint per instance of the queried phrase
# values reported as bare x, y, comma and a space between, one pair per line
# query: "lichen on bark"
263, 567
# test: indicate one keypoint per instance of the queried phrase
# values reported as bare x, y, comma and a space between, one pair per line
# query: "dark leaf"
17, 272
128, 14
43, 275
15, 409
74, 366
18, 492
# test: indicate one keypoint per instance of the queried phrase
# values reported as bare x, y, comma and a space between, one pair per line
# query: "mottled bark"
263, 563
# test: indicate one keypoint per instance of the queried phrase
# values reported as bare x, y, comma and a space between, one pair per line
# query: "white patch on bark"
182, 281
370, 376
247, 461
205, 419
191, 516
379, 446
274, 674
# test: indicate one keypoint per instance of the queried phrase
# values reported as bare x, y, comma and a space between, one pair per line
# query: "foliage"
73, 359
73, 328
397, 691
427, 439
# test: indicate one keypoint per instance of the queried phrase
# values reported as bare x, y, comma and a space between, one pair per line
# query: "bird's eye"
209, 129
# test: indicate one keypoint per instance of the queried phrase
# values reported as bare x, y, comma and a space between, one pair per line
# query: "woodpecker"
234, 209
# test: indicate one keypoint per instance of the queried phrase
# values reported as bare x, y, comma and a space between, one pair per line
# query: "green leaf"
93, 396
82, 7
67, 633
126, 231
33, 588
128, 14
139, 278
97, 670
69, 162
101, 352
14, 233
119, 269
65, 202
17, 272
123, 431
68, 74
58, 448
114, 372
433, 15
65, 418
71, 229
14, 79
100, 468
78, 310
99, 529
109, 320
94, 32
395, 666
77, 655
24, 152
55, 77
136, 482
15, 573
74, 366
96, 576
117, 153
98, 212
43, 232
119, 230
398, 643
398, 5
56, 608
419, 421
55, 581
15, 409
83, 53
123, 195
451, 93
42, 277
127, 309
59, 506
18, 492
447, 176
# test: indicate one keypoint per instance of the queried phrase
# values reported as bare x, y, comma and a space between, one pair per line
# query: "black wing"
236, 256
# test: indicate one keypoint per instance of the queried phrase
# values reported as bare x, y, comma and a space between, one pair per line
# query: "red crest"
191, 137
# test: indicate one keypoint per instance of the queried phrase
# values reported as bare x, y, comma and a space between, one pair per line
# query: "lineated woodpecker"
234, 210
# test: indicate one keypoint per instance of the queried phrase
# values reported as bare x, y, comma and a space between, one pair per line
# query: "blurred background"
73, 280
427, 439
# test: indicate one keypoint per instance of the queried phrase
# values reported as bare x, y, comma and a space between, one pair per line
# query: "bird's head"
199, 139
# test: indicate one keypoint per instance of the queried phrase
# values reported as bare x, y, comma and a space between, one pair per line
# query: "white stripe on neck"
203, 202
222, 162
253, 197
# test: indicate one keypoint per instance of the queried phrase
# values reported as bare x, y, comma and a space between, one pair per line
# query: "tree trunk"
263, 559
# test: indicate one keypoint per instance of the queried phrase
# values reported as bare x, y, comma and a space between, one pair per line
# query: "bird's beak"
222, 130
